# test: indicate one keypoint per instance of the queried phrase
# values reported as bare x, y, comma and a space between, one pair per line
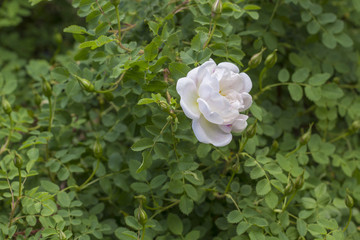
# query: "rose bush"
213, 97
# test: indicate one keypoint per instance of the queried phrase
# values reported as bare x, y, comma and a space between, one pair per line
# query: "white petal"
246, 82
211, 116
207, 132
187, 90
239, 124
247, 101
230, 66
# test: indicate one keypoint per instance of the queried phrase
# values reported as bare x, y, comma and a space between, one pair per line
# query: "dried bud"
289, 188
216, 9
271, 59
299, 182
97, 149
46, 88
236, 167
142, 216
115, 2
85, 84
349, 201
305, 138
18, 161
251, 131
256, 59
6, 106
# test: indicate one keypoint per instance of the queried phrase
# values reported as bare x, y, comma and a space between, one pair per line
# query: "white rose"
212, 96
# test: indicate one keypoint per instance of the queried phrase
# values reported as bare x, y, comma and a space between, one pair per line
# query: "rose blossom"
212, 96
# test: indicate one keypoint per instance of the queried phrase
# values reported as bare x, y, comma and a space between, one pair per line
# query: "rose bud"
305, 138
85, 84
6, 106
251, 131
142, 216
18, 161
97, 149
349, 201
216, 9
256, 59
46, 88
271, 59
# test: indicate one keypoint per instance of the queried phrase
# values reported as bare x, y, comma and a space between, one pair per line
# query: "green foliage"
107, 153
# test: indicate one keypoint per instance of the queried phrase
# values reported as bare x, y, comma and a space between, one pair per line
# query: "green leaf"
256, 111
234, 216
151, 51
193, 235
356, 4
332, 91
301, 227
300, 75
263, 187
75, 29
132, 222
100, 41
175, 224
328, 40
49, 186
257, 172
158, 181
271, 199
242, 227
344, 40
296, 92
313, 27
326, 18
140, 187
63, 199
316, 229
313, 93
186, 205
191, 191
319, 79
283, 75
142, 144
178, 70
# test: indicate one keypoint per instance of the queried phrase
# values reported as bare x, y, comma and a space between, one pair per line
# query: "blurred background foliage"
92, 128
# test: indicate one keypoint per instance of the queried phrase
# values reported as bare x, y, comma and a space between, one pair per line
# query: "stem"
4, 147
165, 208
118, 22
51, 114
211, 35
228, 185
143, 233
340, 137
276, 85
247, 69
262, 75
348, 222
293, 151
92, 174
19, 184
291, 198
